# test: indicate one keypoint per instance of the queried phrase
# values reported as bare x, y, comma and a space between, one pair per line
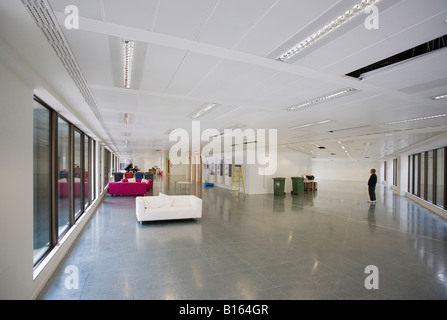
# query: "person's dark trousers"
372, 193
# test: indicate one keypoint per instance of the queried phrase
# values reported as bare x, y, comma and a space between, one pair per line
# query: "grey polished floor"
315, 246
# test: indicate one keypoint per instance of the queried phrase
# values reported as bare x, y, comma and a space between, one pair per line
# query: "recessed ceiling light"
328, 97
203, 110
417, 119
312, 124
442, 96
128, 55
334, 24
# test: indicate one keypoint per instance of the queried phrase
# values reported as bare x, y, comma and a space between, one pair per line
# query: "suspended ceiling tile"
183, 19
231, 20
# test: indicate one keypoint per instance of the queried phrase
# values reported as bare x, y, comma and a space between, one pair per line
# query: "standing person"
372, 186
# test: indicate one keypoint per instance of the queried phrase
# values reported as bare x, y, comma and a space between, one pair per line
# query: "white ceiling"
193, 52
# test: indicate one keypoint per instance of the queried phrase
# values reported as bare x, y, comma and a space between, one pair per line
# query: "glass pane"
64, 176
395, 172
422, 180
430, 176
77, 174
440, 183
416, 175
107, 171
41, 182
93, 168
410, 177
86, 172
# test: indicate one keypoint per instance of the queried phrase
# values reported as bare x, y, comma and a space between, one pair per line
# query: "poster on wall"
205, 170
228, 171
220, 171
124, 163
212, 169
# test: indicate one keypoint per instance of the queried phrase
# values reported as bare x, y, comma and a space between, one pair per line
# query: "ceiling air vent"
44, 18
419, 50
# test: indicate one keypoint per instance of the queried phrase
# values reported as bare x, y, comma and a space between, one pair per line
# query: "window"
395, 172
86, 172
77, 173
63, 175
93, 169
41, 181
427, 176
107, 168
416, 175
422, 170
429, 165
440, 177
410, 173
64, 170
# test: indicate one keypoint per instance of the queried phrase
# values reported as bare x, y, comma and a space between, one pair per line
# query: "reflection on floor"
313, 246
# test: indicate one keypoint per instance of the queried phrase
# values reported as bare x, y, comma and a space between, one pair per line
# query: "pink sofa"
129, 188
63, 188
148, 183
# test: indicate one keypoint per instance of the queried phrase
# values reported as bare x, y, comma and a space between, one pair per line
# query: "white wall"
347, 170
178, 170
16, 200
290, 164
152, 160
18, 279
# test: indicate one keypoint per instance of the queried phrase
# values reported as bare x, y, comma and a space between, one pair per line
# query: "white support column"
188, 170
193, 168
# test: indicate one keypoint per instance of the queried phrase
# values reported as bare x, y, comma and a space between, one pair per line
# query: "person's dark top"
372, 180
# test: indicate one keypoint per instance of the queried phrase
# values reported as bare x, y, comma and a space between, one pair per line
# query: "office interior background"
88, 85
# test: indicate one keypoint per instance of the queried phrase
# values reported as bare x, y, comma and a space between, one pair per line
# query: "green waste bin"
149, 176
297, 185
278, 186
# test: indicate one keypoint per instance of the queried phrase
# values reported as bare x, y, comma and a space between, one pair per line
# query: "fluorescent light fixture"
417, 119
202, 111
443, 96
323, 99
334, 24
128, 56
312, 124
